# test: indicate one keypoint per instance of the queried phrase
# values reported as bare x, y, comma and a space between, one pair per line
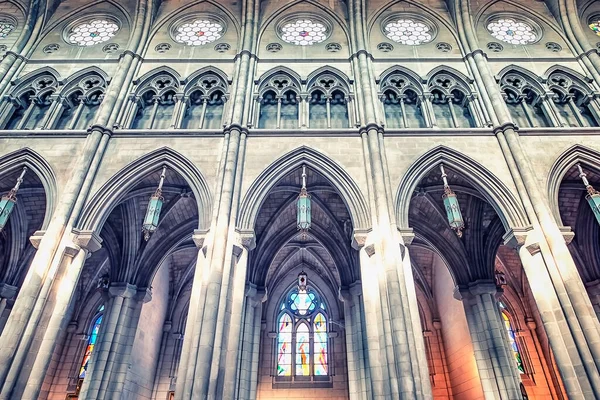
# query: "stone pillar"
66, 286
107, 369
249, 353
354, 342
494, 362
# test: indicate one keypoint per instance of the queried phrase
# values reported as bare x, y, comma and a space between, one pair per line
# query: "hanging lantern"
303, 210
8, 201
302, 281
452, 207
593, 197
154, 206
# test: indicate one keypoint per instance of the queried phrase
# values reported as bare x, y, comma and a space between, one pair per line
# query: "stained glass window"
302, 336
512, 31
93, 32
595, 25
513, 341
304, 32
199, 32
91, 344
284, 346
6, 27
408, 31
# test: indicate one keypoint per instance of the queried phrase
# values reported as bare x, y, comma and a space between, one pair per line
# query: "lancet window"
452, 106
328, 104
155, 106
574, 106
278, 103
29, 105
524, 101
403, 103
91, 343
205, 103
512, 338
302, 343
80, 102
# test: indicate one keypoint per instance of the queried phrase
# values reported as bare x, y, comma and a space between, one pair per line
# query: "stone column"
73, 263
108, 366
250, 353
354, 341
494, 362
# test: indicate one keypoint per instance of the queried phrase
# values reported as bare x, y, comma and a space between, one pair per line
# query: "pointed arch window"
512, 338
526, 106
303, 342
93, 337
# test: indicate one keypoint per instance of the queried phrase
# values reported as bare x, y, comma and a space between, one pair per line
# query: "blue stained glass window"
302, 336
91, 343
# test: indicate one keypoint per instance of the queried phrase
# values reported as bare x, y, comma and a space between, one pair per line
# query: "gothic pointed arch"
26, 157
523, 79
286, 8
505, 203
569, 158
279, 79
218, 80
159, 79
118, 186
334, 173
87, 79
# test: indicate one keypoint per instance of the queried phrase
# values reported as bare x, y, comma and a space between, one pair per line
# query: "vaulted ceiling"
325, 251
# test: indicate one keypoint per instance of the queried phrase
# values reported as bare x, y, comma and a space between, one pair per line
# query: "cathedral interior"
299, 199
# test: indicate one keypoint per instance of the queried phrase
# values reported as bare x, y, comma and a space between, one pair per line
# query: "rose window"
304, 32
408, 31
199, 32
6, 27
595, 25
93, 32
511, 31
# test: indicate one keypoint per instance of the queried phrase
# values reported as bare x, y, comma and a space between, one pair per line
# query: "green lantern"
593, 197
154, 207
455, 218
8, 201
303, 207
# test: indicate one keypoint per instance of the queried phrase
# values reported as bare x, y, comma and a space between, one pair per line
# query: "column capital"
122, 289
36, 238
522, 236
359, 238
245, 239
88, 240
474, 289
255, 295
199, 236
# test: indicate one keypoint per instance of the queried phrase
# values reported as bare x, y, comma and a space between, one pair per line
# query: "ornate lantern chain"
303, 207
8, 201
154, 207
593, 196
453, 213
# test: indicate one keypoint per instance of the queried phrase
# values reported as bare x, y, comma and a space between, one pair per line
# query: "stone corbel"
122, 289
144, 294
370, 249
88, 240
567, 234
244, 240
72, 249
406, 237
517, 237
199, 237
359, 238
36, 238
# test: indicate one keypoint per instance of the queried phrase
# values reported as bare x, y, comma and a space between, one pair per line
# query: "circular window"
304, 31
199, 32
595, 24
409, 31
6, 26
510, 30
92, 32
